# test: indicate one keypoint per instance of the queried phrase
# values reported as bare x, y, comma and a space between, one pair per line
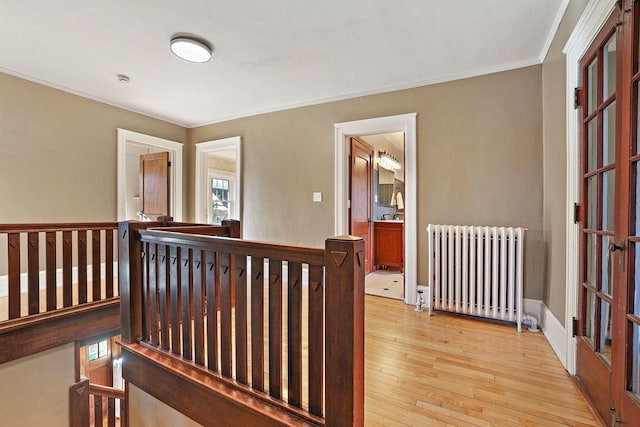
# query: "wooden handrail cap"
346, 237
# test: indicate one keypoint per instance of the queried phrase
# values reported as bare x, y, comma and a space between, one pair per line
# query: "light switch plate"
317, 196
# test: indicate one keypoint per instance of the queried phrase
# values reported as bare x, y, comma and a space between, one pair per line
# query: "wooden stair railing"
183, 277
94, 405
58, 286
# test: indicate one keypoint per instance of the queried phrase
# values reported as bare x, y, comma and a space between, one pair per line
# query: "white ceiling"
268, 55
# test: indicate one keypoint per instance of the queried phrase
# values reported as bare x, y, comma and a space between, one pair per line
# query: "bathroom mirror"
386, 184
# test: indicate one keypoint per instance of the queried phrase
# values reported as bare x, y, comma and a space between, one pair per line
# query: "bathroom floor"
385, 283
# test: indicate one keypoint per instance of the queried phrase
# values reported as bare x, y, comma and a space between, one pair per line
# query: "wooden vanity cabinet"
388, 244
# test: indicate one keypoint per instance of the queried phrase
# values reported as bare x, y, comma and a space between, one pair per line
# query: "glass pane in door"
609, 135
592, 86
592, 202
608, 199
635, 359
635, 294
591, 259
606, 278
590, 318
592, 144
605, 330
609, 68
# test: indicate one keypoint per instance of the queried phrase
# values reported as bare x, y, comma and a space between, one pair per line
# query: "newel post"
130, 281
344, 338
234, 227
79, 404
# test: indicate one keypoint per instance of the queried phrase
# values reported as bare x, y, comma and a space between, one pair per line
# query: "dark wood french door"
609, 297
361, 196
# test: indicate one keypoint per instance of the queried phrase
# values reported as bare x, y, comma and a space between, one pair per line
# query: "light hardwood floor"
450, 370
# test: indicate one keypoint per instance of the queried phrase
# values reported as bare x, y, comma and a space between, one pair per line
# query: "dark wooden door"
609, 313
625, 248
154, 185
598, 166
361, 196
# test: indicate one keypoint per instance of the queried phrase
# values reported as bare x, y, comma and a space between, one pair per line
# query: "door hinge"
348, 204
576, 213
576, 97
169, 164
574, 327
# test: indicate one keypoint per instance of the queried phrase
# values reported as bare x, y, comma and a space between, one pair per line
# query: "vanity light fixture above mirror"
387, 161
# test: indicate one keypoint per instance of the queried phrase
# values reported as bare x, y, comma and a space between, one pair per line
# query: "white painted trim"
202, 172
555, 333
587, 28
401, 123
410, 85
553, 30
125, 136
24, 278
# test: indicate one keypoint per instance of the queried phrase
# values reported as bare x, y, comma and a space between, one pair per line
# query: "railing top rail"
106, 391
44, 227
313, 256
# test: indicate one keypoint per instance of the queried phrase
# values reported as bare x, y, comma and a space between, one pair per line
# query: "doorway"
218, 180
131, 145
377, 209
608, 316
406, 124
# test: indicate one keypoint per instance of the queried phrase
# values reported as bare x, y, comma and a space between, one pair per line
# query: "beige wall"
58, 153
555, 161
147, 411
221, 164
34, 390
479, 161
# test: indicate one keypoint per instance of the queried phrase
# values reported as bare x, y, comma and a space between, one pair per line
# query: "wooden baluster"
225, 313
275, 328
123, 410
198, 307
96, 280
146, 322
108, 259
97, 410
344, 260
241, 318
33, 272
14, 274
82, 266
257, 323
152, 301
162, 296
52, 297
111, 412
67, 269
316, 339
186, 295
294, 334
174, 287
212, 310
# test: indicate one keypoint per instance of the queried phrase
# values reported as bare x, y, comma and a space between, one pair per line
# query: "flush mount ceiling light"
190, 49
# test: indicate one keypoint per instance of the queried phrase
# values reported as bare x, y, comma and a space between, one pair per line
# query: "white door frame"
203, 149
401, 123
592, 20
175, 153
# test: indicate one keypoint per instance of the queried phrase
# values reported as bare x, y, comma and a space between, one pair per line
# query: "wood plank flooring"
448, 370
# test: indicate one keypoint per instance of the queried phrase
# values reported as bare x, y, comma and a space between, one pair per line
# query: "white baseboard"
24, 278
556, 335
551, 327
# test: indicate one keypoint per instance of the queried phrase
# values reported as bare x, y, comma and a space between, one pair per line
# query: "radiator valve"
419, 302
